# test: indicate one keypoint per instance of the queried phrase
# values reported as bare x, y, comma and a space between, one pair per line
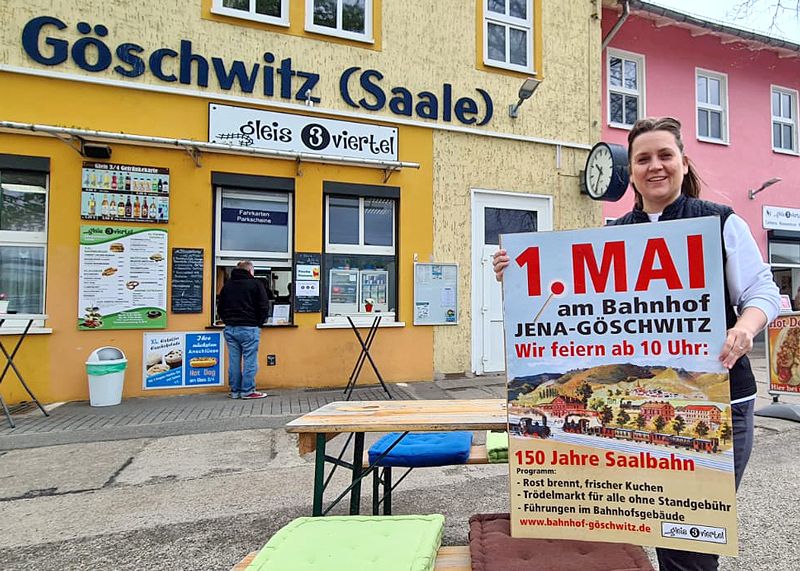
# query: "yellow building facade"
335, 144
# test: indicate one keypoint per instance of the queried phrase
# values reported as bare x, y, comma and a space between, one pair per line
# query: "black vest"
742, 382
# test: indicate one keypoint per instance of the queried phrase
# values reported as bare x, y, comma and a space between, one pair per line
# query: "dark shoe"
255, 395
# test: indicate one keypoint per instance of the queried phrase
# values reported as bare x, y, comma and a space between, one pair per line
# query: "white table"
29, 319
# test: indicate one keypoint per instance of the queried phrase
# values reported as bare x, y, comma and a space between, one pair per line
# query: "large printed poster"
618, 407
783, 344
181, 360
123, 278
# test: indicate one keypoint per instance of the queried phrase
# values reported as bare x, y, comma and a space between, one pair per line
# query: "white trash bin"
106, 370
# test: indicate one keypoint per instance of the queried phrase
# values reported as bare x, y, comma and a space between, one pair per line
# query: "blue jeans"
743, 421
242, 345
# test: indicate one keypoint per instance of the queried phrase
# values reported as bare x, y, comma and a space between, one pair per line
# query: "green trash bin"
106, 370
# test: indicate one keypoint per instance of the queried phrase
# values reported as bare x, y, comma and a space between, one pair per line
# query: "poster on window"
783, 350
182, 360
124, 193
618, 407
123, 278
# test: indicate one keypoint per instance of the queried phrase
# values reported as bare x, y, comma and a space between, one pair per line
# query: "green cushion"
354, 543
497, 446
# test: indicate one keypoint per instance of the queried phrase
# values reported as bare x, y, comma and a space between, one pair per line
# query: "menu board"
124, 193
123, 278
187, 280
435, 294
180, 360
306, 283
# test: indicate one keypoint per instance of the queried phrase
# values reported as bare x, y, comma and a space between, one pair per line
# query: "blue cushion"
419, 449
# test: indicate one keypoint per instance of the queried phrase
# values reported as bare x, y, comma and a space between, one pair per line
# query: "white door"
495, 213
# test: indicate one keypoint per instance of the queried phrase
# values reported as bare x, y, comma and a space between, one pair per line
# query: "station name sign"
270, 77
780, 218
253, 128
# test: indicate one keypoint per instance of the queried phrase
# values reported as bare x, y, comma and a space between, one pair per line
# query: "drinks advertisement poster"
124, 193
618, 406
123, 278
182, 360
783, 343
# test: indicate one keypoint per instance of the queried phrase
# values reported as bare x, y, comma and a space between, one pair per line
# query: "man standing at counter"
243, 307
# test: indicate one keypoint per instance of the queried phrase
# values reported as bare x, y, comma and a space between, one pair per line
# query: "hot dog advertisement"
182, 360
619, 410
783, 353
123, 278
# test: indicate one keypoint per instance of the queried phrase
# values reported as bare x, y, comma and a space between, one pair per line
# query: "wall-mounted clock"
606, 174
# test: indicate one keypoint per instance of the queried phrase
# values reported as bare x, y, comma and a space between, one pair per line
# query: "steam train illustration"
529, 427
582, 426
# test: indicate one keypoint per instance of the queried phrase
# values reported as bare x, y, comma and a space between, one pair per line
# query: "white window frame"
722, 108
338, 32
259, 258
19, 238
793, 122
250, 14
508, 22
639, 93
360, 248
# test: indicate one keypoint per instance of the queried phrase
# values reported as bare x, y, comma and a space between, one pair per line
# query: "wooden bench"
455, 558
382, 478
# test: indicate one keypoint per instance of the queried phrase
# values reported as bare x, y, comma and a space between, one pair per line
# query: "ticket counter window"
257, 226
23, 237
360, 264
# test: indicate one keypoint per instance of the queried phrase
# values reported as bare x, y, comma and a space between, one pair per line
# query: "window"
712, 107
254, 221
350, 19
784, 120
625, 82
268, 11
23, 232
360, 263
508, 34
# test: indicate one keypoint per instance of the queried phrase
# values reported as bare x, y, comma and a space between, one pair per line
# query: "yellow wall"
54, 364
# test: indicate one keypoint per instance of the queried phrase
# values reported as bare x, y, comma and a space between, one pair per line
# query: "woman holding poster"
667, 187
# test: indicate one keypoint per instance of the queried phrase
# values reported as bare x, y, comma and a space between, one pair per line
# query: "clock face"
605, 176
598, 171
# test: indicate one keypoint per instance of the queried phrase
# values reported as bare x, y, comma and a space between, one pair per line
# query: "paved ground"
196, 482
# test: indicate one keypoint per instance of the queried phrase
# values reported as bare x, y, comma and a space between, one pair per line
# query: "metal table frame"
363, 356
10, 358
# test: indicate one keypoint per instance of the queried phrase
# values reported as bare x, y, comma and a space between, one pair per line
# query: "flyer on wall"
783, 346
182, 360
123, 278
618, 407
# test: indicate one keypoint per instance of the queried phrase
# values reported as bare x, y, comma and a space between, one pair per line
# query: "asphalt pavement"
196, 482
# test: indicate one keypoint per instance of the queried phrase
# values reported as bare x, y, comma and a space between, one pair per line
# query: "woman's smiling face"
657, 169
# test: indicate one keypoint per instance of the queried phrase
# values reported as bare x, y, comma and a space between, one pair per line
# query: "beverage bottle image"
127, 182
114, 181
106, 181
136, 207
152, 209
160, 211
144, 208
154, 185
165, 186
92, 205
112, 208
121, 207
128, 208
86, 180
104, 207
160, 185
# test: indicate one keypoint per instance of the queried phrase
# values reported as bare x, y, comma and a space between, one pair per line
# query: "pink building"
736, 93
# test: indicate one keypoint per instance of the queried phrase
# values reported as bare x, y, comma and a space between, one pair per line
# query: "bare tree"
779, 11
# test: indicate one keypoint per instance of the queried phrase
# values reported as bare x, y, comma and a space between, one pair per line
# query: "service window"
360, 260
256, 225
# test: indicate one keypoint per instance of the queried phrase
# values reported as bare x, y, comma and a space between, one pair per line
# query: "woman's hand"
499, 262
739, 341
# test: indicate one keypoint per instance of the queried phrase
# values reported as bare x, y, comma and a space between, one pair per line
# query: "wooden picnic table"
359, 417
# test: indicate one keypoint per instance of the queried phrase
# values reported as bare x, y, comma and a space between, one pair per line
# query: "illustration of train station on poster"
659, 407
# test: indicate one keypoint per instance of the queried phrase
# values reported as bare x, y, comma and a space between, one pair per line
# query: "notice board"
435, 294
187, 280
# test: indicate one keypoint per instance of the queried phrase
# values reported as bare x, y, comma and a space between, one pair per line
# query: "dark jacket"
742, 381
243, 300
